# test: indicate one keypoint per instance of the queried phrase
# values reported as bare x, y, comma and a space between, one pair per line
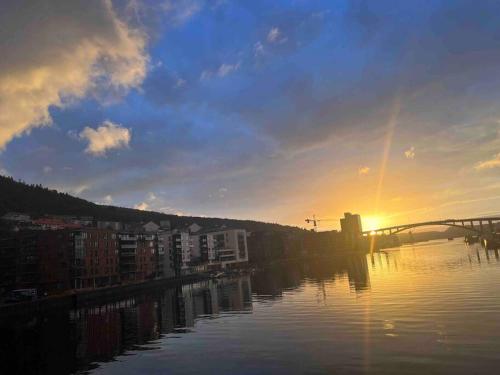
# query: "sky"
257, 109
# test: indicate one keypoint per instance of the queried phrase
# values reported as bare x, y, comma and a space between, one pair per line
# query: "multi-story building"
139, 256
95, 259
36, 259
207, 250
192, 252
147, 256
180, 249
54, 260
54, 251
166, 259
9, 249
351, 229
127, 243
224, 248
150, 227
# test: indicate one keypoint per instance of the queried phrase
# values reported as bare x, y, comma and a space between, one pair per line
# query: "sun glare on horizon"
371, 223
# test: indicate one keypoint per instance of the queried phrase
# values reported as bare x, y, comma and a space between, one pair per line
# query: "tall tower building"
351, 228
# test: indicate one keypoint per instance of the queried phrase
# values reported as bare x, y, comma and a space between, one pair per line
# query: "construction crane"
316, 221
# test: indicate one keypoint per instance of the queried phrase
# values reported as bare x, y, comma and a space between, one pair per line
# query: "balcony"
127, 254
127, 237
126, 246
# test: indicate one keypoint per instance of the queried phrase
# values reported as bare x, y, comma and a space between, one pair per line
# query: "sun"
372, 222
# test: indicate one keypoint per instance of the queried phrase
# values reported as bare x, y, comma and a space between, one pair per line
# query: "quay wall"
80, 298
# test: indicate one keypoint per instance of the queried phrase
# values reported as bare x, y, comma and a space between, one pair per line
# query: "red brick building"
139, 257
96, 258
147, 257
36, 259
54, 250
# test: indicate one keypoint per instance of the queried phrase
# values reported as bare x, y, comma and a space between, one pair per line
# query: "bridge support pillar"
490, 224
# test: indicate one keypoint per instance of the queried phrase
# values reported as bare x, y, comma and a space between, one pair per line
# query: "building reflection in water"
271, 282
66, 341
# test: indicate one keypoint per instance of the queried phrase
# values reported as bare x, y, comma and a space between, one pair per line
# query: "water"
428, 308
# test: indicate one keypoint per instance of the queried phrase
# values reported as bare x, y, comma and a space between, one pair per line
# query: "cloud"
108, 199
151, 198
276, 36
179, 83
54, 55
363, 171
143, 206
312, 101
77, 190
106, 137
258, 49
206, 74
180, 11
222, 71
47, 169
488, 164
410, 153
226, 69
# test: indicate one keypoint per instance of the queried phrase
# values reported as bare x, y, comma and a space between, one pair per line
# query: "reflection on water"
426, 308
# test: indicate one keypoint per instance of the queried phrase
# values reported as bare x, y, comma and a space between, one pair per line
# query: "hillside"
37, 200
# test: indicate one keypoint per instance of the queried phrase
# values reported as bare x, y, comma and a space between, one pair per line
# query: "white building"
178, 245
194, 228
225, 247
193, 252
150, 226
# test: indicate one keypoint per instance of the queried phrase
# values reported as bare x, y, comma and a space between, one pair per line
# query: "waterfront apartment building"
36, 259
223, 248
166, 257
211, 249
54, 260
95, 258
140, 256
180, 245
147, 256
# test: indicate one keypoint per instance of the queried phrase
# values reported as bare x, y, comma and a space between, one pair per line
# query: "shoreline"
75, 299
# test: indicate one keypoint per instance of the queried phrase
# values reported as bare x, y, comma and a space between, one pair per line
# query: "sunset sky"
258, 109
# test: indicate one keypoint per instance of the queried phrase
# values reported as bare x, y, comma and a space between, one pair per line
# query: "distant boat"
450, 238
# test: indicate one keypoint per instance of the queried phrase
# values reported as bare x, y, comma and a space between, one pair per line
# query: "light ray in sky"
391, 125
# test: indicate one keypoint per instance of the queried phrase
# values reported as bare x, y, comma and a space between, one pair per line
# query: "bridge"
479, 225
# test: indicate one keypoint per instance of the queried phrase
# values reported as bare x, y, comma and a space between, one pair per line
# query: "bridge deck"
451, 222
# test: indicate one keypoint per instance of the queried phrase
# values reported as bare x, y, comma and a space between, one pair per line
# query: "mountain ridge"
37, 200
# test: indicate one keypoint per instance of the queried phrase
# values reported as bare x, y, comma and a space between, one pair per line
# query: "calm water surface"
428, 308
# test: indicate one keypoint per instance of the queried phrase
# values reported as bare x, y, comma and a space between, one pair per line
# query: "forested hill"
37, 200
